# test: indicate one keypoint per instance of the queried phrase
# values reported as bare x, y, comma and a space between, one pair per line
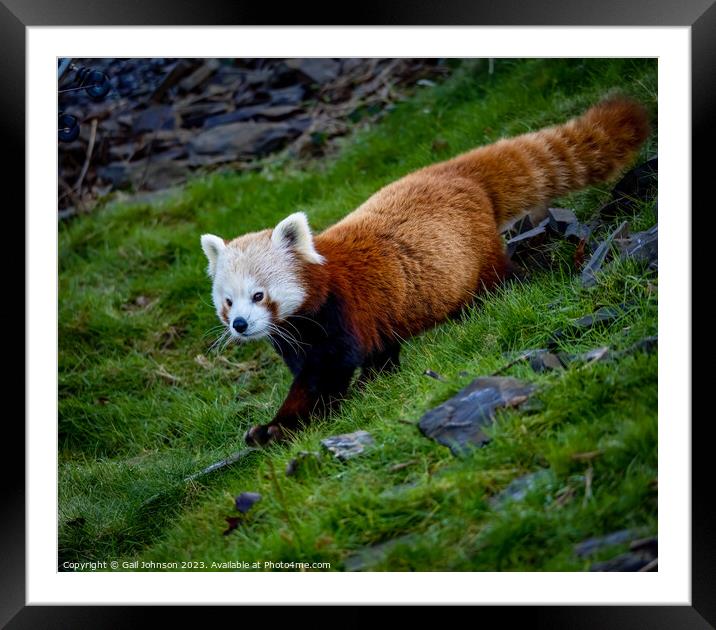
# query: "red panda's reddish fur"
422, 247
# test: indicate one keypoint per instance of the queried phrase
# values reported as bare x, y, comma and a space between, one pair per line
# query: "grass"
143, 403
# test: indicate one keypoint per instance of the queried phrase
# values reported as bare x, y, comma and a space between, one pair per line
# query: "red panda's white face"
256, 277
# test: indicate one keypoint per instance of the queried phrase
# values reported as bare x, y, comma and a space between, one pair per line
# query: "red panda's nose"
240, 324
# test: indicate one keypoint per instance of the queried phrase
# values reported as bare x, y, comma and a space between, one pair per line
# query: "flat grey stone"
588, 276
560, 219
460, 421
642, 246
518, 488
348, 445
370, 556
591, 545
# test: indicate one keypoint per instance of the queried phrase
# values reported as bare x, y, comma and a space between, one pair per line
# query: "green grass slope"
143, 402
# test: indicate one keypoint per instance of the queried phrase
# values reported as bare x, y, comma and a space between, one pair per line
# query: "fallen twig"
228, 461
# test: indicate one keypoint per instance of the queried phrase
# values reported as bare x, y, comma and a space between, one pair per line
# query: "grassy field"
143, 402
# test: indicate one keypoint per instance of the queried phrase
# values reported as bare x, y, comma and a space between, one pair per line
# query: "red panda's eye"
258, 296
228, 302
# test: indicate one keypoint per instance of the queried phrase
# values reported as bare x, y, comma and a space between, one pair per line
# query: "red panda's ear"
212, 246
294, 233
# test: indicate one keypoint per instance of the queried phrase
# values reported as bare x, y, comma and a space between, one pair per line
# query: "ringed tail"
530, 170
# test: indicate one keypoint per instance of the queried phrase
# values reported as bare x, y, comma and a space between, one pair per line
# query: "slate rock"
459, 422
253, 112
200, 75
642, 556
591, 356
435, 375
518, 488
638, 184
153, 118
528, 239
648, 345
595, 263
544, 361
632, 561
592, 545
317, 70
525, 222
348, 445
243, 139
602, 315
370, 556
560, 219
577, 232
245, 501
642, 246
292, 95
171, 78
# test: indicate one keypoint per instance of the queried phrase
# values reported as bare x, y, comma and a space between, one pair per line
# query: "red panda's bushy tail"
532, 169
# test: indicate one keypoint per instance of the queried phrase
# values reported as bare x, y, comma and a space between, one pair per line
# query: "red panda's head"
257, 277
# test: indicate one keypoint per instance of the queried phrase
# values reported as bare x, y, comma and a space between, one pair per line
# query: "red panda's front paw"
263, 434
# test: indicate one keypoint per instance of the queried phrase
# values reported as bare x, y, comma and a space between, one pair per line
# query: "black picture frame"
700, 15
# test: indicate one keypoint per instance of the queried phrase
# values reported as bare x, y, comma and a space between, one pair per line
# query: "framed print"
401, 430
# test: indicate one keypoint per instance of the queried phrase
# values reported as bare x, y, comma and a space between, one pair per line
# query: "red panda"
413, 254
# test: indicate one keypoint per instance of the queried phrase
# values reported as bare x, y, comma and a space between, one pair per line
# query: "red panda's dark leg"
313, 392
386, 360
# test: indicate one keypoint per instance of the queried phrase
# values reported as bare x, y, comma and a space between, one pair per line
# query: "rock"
544, 360
638, 184
642, 246
160, 171
153, 118
459, 422
525, 222
642, 556
528, 239
178, 72
518, 488
348, 445
589, 271
254, 112
434, 375
560, 219
200, 75
592, 545
243, 139
577, 232
245, 501
287, 96
592, 356
602, 315
370, 556
197, 114
648, 345
633, 561
317, 70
